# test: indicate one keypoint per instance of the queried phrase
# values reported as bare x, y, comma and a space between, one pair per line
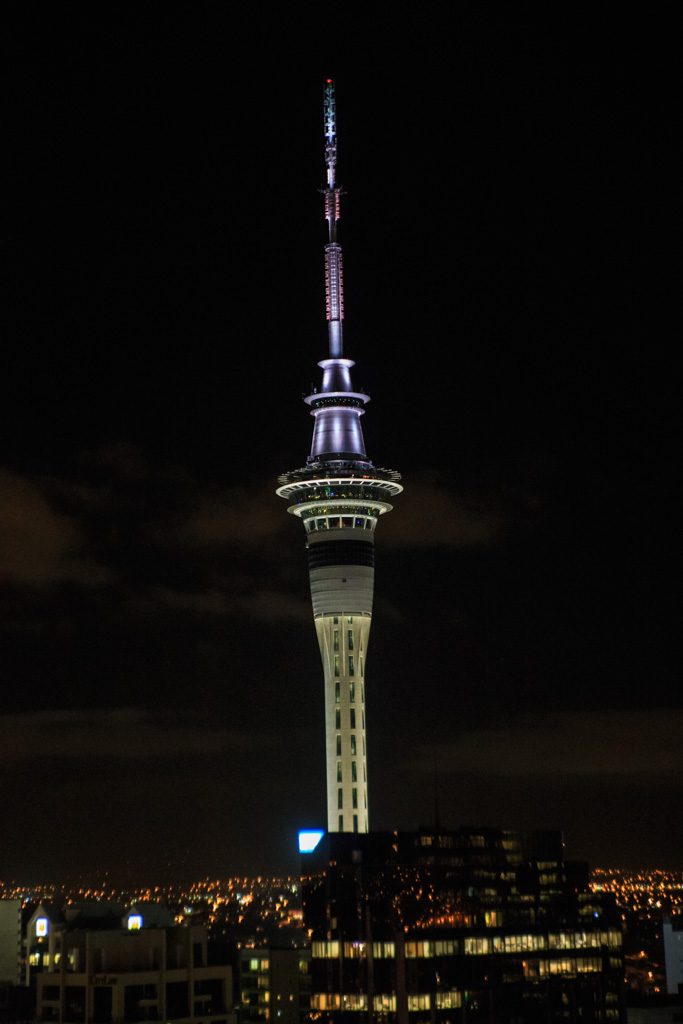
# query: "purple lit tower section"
339, 496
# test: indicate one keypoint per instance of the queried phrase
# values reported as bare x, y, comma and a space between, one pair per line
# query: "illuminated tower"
339, 495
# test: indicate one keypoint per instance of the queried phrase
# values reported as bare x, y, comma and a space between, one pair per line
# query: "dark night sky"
510, 304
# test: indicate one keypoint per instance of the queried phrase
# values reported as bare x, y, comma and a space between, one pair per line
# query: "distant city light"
309, 839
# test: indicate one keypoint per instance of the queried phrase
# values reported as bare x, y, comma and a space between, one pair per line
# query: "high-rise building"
339, 495
481, 926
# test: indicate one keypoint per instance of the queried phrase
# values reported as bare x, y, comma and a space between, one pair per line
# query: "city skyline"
507, 302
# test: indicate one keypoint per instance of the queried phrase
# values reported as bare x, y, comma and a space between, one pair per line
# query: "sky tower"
339, 495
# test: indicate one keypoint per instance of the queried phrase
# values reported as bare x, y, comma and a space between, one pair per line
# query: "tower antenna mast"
334, 283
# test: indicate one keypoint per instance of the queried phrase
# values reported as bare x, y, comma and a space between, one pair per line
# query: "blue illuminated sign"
309, 839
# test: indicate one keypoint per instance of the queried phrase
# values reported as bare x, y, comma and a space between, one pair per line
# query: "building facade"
273, 985
124, 969
469, 925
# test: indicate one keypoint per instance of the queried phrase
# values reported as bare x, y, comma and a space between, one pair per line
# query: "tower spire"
334, 283
339, 495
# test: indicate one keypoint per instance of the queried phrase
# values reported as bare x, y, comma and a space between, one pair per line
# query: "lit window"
353, 744
448, 1000
350, 620
353, 770
350, 635
336, 664
353, 718
41, 926
336, 693
134, 922
383, 949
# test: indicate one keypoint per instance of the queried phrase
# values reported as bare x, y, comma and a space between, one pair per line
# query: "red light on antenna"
329, 81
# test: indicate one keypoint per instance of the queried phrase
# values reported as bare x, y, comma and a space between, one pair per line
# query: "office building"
273, 985
484, 926
96, 964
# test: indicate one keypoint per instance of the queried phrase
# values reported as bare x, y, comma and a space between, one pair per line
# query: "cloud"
431, 516
233, 515
260, 604
39, 546
120, 734
579, 744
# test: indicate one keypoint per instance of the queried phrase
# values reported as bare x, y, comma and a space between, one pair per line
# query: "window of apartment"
350, 638
353, 744
338, 744
448, 1000
336, 640
353, 771
384, 1003
337, 718
354, 798
340, 799
352, 691
477, 946
353, 718
361, 666
336, 664
355, 823
336, 693
341, 822
350, 620
339, 771
351, 671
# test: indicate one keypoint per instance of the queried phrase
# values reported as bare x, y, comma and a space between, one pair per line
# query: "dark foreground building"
101, 963
473, 925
